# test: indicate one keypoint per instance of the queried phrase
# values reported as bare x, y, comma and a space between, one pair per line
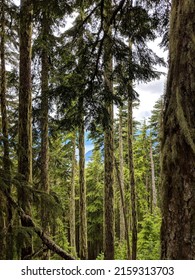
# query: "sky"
150, 92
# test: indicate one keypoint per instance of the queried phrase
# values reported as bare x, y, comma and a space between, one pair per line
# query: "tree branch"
30, 223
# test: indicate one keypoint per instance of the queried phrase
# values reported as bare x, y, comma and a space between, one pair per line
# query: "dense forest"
68, 74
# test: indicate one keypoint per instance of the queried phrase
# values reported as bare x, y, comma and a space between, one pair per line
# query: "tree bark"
178, 138
154, 193
44, 123
25, 113
118, 174
121, 165
108, 143
6, 152
82, 184
72, 199
132, 177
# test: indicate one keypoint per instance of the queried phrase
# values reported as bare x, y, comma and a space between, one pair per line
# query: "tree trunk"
82, 184
44, 124
6, 158
2, 228
132, 177
178, 139
108, 143
72, 199
25, 112
118, 174
154, 193
121, 165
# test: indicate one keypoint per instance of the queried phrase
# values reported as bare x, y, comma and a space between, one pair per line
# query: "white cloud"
150, 92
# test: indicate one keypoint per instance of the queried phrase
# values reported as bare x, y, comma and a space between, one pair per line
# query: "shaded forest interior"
63, 84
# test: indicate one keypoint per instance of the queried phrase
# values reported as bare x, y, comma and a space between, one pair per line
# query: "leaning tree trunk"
178, 139
6, 157
25, 111
108, 144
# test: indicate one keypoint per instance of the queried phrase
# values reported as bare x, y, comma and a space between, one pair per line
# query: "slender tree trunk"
2, 228
72, 200
132, 178
25, 112
154, 193
44, 124
130, 159
121, 165
178, 139
118, 174
82, 184
6, 158
108, 143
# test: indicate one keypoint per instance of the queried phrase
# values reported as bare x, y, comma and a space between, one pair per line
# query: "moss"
183, 123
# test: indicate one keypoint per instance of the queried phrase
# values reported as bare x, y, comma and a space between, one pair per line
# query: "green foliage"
149, 237
120, 250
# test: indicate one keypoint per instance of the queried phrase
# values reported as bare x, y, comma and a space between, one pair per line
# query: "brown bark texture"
25, 112
132, 178
6, 152
178, 139
108, 144
82, 184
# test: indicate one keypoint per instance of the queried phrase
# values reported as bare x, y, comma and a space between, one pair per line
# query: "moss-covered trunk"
178, 139
25, 112
72, 199
6, 157
108, 143
121, 168
44, 122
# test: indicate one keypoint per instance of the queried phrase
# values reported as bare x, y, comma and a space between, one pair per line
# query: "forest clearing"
68, 77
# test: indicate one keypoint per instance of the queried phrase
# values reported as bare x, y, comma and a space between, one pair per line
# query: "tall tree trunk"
72, 199
25, 112
132, 176
6, 158
82, 184
108, 143
178, 139
130, 154
44, 123
121, 165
